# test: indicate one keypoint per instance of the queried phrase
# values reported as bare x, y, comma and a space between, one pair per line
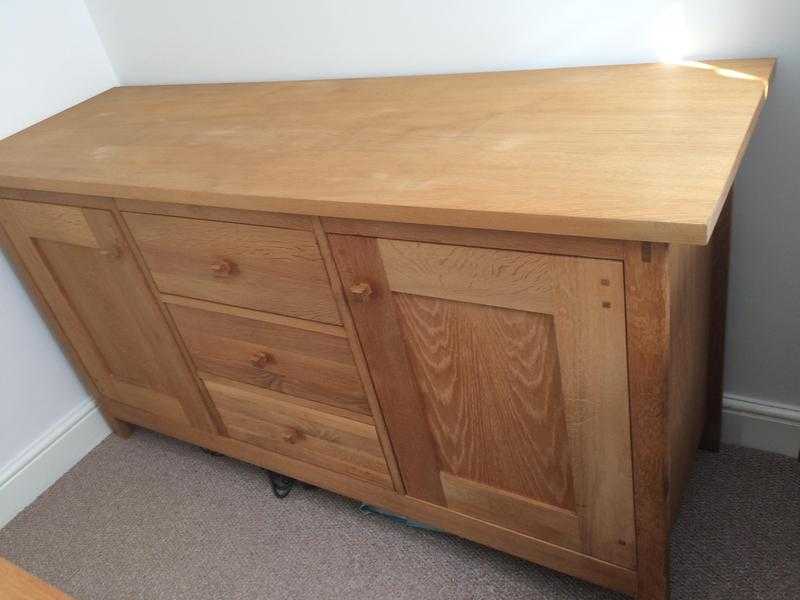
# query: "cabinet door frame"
603, 528
93, 224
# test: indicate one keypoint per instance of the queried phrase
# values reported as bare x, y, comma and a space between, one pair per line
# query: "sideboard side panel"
689, 269
720, 250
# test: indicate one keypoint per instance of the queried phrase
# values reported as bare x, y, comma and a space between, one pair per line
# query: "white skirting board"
762, 424
54, 453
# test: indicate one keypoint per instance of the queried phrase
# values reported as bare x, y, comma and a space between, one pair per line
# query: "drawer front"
264, 268
278, 423
304, 359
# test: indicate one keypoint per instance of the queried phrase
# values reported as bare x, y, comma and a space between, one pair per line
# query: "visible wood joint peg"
223, 268
361, 291
647, 252
112, 253
261, 359
293, 436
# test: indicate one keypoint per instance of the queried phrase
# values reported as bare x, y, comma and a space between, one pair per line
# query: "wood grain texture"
110, 324
99, 296
720, 250
295, 361
630, 152
591, 347
358, 354
211, 213
54, 222
270, 420
148, 399
23, 274
587, 299
530, 403
209, 405
60, 198
17, 584
358, 259
479, 238
490, 382
138, 313
647, 312
518, 513
266, 268
255, 315
205, 376
498, 277
501, 538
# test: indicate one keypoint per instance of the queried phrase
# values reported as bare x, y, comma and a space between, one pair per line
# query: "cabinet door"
503, 381
81, 263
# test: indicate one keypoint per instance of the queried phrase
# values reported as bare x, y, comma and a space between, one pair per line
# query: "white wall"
50, 58
150, 41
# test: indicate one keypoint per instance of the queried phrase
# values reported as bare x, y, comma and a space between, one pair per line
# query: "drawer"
280, 424
299, 358
264, 268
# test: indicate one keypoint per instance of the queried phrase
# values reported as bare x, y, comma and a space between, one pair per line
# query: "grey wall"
763, 345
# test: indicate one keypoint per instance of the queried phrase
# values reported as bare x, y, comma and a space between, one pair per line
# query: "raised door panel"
485, 427
502, 378
79, 259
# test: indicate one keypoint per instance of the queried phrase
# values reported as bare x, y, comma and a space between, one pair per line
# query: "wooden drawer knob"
361, 291
293, 436
223, 268
261, 359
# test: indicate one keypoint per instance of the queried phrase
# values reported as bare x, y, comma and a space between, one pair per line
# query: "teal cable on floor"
374, 510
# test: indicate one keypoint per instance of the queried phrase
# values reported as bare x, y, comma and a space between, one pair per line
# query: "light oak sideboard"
491, 302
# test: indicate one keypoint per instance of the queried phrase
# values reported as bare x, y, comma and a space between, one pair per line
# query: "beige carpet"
153, 518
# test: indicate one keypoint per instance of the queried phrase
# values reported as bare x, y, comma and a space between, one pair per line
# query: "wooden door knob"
223, 268
361, 291
261, 359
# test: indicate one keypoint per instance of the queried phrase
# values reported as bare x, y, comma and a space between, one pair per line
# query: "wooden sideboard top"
645, 152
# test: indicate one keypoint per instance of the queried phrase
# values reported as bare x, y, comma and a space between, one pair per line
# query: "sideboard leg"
720, 247
646, 292
121, 428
